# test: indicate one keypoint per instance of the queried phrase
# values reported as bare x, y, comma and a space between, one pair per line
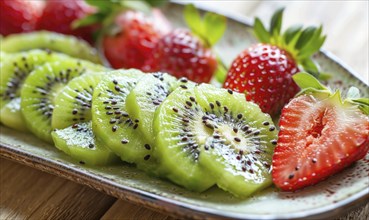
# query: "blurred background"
346, 23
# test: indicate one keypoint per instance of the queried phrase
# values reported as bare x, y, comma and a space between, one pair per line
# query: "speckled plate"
332, 197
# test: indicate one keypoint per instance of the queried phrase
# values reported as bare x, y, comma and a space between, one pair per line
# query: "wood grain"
27, 193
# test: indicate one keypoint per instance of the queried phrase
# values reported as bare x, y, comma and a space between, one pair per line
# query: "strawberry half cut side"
319, 136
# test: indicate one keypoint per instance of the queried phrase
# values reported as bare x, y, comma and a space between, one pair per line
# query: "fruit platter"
184, 110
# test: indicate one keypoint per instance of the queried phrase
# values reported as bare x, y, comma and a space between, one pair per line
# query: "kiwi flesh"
114, 126
214, 134
52, 41
176, 150
73, 103
42, 86
238, 152
14, 70
71, 122
80, 143
146, 97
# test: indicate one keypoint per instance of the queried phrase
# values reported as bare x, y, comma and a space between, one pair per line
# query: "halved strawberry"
319, 135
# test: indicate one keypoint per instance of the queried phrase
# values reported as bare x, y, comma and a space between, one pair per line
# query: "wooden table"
27, 193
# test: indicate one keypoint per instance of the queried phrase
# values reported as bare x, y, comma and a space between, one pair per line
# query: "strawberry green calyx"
109, 9
209, 29
299, 42
310, 85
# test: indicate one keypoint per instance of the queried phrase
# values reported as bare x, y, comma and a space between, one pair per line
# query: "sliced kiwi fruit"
239, 150
80, 143
71, 121
214, 132
146, 97
14, 70
114, 126
42, 86
52, 41
177, 126
73, 103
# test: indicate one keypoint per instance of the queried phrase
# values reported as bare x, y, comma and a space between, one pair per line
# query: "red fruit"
183, 55
19, 16
319, 136
58, 16
133, 44
264, 72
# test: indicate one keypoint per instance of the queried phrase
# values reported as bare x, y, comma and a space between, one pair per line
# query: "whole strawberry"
319, 134
19, 16
58, 16
264, 71
133, 38
185, 53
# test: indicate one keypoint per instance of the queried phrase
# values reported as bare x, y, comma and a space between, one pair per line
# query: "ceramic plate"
334, 196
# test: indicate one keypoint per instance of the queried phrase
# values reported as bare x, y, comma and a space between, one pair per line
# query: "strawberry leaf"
156, 3
260, 32
305, 37
215, 26
291, 32
310, 66
103, 6
136, 5
305, 80
276, 22
88, 20
193, 20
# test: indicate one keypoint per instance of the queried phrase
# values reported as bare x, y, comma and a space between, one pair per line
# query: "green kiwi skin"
22, 64
37, 103
121, 136
229, 172
73, 103
49, 40
174, 162
79, 142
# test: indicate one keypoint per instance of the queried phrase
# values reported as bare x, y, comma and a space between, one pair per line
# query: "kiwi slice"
50, 40
146, 97
72, 122
239, 150
177, 127
114, 126
73, 103
42, 86
14, 70
215, 132
80, 143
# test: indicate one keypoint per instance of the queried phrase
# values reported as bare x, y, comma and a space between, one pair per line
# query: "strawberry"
319, 135
264, 70
58, 16
131, 46
183, 53
19, 16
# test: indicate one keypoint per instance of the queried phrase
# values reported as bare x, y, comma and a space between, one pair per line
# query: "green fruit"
52, 41
80, 143
113, 125
72, 122
14, 70
144, 99
238, 152
42, 86
179, 134
209, 135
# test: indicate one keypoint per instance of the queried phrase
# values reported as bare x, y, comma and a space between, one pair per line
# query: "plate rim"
171, 206
167, 205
